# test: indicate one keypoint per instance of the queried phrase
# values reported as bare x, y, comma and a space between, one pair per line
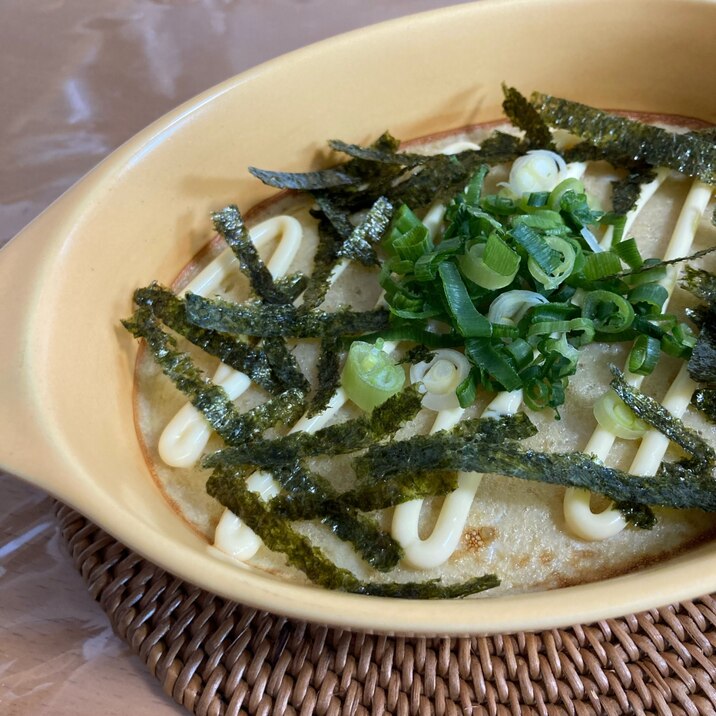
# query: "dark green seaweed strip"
381, 156
284, 364
376, 547
690, 154
230, 224
640, 516
359, 245
304, 181
287, 321
372, 495
329, 375
625, 192
445, 452
324, 261
336, 216
701, 284
279, 536
232, 351
702, 364
210, 399
522, 114
292, 285
656, 415
704, 399
338, 439
443, 175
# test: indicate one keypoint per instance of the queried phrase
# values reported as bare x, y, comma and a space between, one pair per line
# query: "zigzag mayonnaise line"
577, 511
444, 538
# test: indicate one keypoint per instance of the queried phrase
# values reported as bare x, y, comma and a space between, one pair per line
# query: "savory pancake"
516, 529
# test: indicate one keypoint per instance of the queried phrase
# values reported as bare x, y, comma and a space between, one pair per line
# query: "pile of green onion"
521, 283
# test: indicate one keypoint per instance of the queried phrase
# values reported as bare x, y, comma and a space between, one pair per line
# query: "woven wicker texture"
220, 658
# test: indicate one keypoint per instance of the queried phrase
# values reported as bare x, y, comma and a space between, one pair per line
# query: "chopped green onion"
628, 252
509, 307
486, 357
647, 275
614, 415
648, 298
492, 265
564, 267
470, 322
605, 263
644, 355
537, 248
555, 197
610, 312
467, 391
370, 376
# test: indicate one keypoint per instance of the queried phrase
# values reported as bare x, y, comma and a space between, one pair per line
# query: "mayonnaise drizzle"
577, 511
185, 436
445, 536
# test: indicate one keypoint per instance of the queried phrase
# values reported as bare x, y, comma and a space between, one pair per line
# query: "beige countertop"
78, 78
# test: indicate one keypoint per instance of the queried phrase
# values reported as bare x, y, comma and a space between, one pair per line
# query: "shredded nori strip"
284, 364
324, 260
690, 154
379, 155
337, 439
369, 496
522, 114
685, 489
376, 547
337, 216
210, 399
304, 181
359, 245
702, 364
232, 351
640, 516
656, 415
445, 175
701, 284
329, 375
418, 354
287, 321
230, 224
278, 535
625, 192
704, 399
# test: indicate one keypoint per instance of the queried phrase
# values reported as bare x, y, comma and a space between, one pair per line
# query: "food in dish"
488, 269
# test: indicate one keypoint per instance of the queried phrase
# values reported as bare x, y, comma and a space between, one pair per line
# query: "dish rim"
537, 609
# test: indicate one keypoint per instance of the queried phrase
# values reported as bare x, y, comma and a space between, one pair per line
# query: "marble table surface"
78, 78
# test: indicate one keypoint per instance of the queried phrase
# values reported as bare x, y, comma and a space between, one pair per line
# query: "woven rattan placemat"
218, 657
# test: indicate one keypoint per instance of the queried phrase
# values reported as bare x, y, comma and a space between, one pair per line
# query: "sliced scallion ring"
644, 355
441, 377
610, 312
509, 307
370, 376
570, 184
491, 265
563, 269
614, 415
536, 171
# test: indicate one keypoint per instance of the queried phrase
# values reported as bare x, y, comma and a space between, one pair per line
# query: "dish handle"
25, 448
